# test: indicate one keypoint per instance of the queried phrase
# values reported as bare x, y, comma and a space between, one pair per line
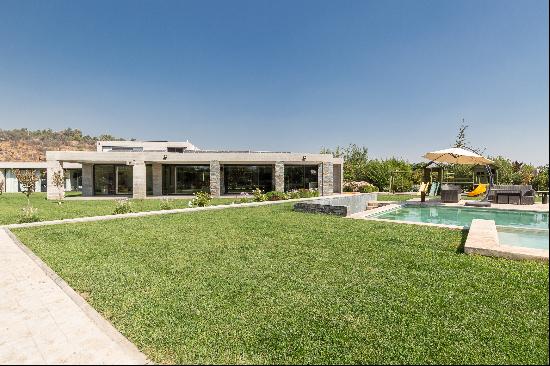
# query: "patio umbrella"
457, 155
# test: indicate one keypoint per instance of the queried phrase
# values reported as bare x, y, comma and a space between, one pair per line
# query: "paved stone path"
43, 321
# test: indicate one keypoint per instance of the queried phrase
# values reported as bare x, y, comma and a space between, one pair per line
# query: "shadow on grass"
463, 237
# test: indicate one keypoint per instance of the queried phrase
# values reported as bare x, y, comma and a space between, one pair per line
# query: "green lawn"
268, 285
12, 203
397, 197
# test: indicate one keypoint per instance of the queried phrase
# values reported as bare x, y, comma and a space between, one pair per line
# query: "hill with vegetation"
28, 145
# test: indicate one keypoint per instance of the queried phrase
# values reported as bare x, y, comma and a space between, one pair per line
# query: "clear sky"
395, 76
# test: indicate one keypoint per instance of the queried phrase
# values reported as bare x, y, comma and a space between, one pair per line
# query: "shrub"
294, 194
166, 204
363, 187
259, 196
308, 193
244, 198
122, 206
276, 196
29, 214
368, 188
201, 199
1, 187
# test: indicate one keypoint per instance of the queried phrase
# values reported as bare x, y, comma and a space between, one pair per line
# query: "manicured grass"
269, 285
12, 203
397, 197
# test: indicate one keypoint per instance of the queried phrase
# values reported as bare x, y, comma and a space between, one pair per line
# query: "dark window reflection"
246, 178
185, 179
301, 177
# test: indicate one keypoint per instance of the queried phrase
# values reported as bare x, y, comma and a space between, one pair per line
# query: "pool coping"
483, 240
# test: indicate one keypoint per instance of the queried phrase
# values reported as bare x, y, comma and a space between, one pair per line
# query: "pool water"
530, 238
515, 227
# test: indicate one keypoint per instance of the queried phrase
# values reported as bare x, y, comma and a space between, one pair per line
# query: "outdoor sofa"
512, 194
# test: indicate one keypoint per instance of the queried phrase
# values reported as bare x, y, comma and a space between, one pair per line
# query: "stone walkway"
43, 321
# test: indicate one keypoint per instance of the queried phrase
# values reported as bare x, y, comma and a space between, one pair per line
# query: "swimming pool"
514, 227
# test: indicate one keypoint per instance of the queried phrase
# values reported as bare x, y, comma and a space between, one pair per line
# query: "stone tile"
40, 323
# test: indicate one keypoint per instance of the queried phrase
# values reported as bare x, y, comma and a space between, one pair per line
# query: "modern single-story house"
159, 168
10, 184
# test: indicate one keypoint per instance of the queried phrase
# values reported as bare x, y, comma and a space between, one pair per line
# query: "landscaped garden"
11, 205
269, 285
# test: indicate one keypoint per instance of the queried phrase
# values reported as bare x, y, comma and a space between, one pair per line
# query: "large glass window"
149, 179
246, 178
113, 179
124, 179
104, 179
185, 179
301, 176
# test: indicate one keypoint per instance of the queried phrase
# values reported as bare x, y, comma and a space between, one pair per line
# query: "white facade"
11, 184
145, 146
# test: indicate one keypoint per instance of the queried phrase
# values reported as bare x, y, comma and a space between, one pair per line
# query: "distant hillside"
26, 145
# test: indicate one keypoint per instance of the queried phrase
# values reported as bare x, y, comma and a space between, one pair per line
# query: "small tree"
58, 181
27, 179
1, 187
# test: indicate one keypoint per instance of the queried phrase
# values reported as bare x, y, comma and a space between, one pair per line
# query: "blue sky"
395, 76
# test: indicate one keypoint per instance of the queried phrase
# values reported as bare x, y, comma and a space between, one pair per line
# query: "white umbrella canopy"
456, 155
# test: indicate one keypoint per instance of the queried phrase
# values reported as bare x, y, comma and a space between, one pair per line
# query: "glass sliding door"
185, 179
124, 179
104, 179
113, 179
192, 178
246, 178
301, 177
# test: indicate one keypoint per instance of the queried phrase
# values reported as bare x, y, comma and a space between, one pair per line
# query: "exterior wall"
326, 163
157, 179
139, 180
87, 180
104, 146
12, 184
327, 179
53, 192
279, 176
215, 179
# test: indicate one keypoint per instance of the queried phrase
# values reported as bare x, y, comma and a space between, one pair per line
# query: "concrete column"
215, 180
157, 179
87, 180
54, 192
327, 177
279, 176
2, 181
338, 181
139, 179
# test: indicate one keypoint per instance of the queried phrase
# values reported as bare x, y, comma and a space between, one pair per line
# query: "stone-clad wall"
340, 206
139, 180
328, 176
87, 180
215, 181
279, 176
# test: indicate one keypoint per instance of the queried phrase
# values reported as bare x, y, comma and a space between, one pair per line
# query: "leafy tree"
27, 179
